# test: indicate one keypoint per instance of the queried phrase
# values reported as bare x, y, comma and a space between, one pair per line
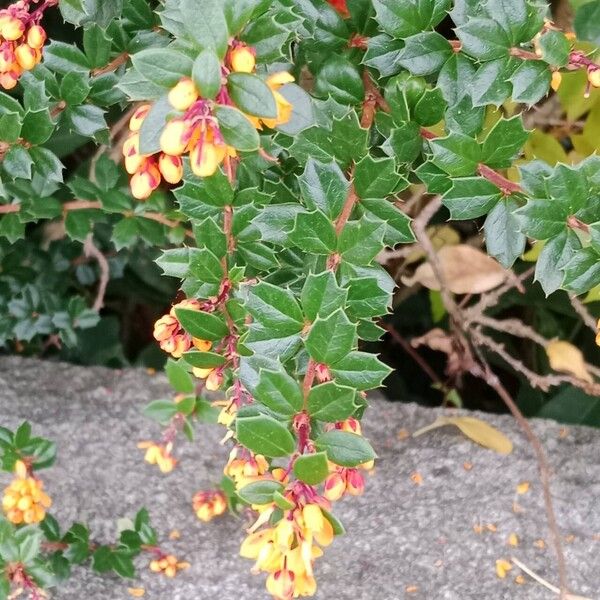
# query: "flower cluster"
208, 505
171, 336
24, 500
21, 42
287, 550
159, 454
194, 129
244, 467
168, 565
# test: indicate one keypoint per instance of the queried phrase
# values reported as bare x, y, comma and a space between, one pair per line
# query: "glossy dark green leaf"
360, 370
260, 492
361, 240
457, 154
330, 402
237, 130
313, 232
206, 73
425, 53
376, 177
206, 23
503, 239
203, 325
471, 197
504, 142
275, 308
340, 79
331, 338
179, 377
483, 39
312, 468
587, 22
397, 223
582, 272
555, 48
278, 391
344, 448
555, 255
265, 435
324, 186
321, 295
252, 95
163, 66
530, 81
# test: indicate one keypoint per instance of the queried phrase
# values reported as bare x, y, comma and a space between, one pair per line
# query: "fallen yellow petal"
541, 544
513, 539
523, 487
136, 592
502, 567
519, 579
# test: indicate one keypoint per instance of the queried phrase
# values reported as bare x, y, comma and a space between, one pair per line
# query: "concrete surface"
404, 540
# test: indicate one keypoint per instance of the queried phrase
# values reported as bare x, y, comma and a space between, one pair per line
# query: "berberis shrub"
263, 147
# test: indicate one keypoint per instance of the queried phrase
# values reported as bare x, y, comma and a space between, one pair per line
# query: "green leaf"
97, 46
491, 83
237, 130
252, 95
331, 338
17, 162
504, 142
555, 255
260, 492
404, 143
321, 295
153, 126
344, 448
86, 120
555, 48
503, 239
542, 219
324, 186
360, 241
376, 177
586, 22
203, 325
582, 272
161, 411
238, 13
311, 468
397, 223
179, 378
471, 197
313, 232
366, 298
275, 308
206, 23
531, 81
200, 197
64, 58
383, 54
206, 73
483, 39
425, 53
265, 435
278, 391
360, 370
75, 87
204, 360
205, 266
330, 402
402, 19
38, 125
457, 154
339, 78
162, 66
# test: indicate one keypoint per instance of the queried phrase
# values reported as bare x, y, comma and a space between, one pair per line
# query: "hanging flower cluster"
194, 129
208, 505
24, 500
21, 42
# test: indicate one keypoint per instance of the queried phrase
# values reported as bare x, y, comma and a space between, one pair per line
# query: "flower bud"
135, 123
36, 37
556, 80
594, 78
145, 182
172, 138
171, 168
214, 381
9, 80
242, 60
335, 486
7, 57
183, 95
204, 159
26, 57
355, 484
12, 29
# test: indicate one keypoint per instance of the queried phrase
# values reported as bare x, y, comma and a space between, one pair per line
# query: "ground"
436, 540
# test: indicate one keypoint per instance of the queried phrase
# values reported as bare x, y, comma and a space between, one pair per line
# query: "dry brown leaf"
466, 270
566, 358
475, 429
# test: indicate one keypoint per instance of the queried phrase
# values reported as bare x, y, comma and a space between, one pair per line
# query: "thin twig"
492, 380
92, 251
583, 312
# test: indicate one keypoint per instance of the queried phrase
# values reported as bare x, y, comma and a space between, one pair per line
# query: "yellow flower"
171, 168
136, 121
206, 157
26, 56
24, 500
183, 95
144, 182
11, 28
172, 139
242, 59
36, 37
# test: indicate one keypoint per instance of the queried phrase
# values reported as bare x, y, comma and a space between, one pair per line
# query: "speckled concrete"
401, 536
